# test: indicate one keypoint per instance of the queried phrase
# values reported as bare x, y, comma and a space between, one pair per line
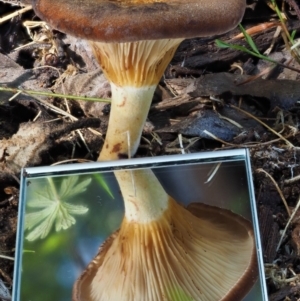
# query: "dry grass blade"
181, 144
7, 257
213, 172
171, 149
218, 139
230, 121
60, 111
74, 160
287, 224
292, 180
277, 188
289, 144
16, 13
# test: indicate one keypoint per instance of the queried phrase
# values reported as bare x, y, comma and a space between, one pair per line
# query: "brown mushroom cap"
203, 253
135, 20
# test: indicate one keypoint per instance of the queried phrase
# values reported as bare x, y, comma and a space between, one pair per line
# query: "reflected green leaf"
104, 185
71, 187
54, 208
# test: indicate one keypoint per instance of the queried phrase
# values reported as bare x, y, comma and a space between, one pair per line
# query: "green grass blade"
249, 39
103, 184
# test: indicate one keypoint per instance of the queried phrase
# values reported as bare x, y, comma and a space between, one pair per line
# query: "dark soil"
196, 76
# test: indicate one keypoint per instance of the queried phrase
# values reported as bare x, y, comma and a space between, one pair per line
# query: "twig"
5, 276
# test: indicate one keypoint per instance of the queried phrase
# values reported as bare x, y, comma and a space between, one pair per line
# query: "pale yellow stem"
144, 198
134, 70
129, 110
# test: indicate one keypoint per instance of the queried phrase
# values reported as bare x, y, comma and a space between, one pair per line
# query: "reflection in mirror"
67, 218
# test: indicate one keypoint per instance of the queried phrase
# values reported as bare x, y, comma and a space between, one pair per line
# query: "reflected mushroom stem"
134, 70
144, 197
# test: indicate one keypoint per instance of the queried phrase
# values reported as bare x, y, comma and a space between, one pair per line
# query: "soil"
197, 105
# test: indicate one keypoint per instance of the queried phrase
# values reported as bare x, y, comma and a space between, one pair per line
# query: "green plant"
103, 184
53, 207
289, 39
253, 49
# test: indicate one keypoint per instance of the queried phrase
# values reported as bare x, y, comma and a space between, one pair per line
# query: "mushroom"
163, 251
134, 41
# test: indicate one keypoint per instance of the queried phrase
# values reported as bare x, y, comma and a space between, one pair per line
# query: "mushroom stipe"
162, 251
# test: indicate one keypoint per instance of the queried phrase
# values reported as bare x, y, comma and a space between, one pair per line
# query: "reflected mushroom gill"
199, 253
162, 250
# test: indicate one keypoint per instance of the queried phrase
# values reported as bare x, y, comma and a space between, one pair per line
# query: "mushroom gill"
199, 253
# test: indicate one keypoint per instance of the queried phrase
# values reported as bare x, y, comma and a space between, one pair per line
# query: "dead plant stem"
287, 224
289, 144
277, 188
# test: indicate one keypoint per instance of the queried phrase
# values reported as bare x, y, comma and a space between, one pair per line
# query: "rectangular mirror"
68, 211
